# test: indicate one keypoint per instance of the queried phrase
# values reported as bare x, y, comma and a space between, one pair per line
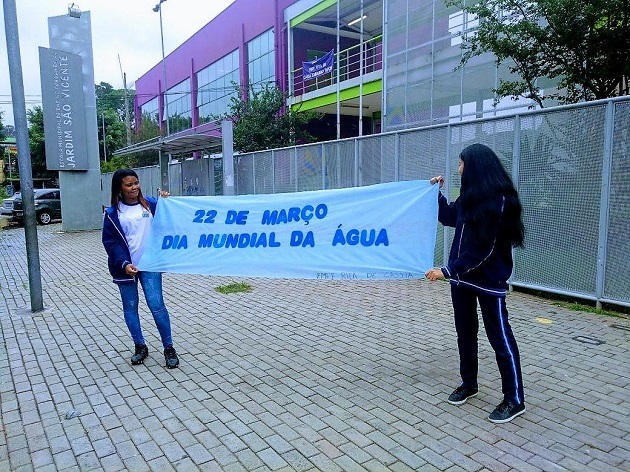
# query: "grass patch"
579, 304
589, 309
234, 287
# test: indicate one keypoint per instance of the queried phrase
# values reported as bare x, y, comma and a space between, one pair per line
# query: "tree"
110, 114
583, 44
109, 98
37, 144
110, 109
1, 127
260, 123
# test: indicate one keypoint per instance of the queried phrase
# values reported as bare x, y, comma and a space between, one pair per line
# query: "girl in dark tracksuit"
488, 224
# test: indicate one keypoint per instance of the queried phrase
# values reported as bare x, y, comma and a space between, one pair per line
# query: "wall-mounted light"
74, 11
353, 22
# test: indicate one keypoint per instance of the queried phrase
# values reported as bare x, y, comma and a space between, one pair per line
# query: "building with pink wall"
227, 35
265, 41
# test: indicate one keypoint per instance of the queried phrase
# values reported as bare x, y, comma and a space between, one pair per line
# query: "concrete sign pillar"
80, 189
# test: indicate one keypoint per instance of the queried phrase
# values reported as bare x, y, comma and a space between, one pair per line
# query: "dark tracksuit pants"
499, 332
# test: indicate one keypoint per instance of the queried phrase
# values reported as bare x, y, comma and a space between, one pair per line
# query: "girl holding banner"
488, 224
126, 226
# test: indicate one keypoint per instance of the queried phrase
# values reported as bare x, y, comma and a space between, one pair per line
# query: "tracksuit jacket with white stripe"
482, 267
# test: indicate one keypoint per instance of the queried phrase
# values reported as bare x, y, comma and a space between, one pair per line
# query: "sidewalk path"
297, 375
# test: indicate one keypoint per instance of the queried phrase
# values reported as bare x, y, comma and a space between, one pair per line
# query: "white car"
7, 205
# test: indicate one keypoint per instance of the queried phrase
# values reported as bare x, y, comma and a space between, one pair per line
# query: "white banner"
383, 231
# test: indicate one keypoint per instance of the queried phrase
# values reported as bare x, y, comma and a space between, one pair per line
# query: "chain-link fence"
571, 165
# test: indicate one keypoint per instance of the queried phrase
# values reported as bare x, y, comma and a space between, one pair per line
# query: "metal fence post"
254, 173
447, 188
323, 167
295, 167
396, 158
273, 171
604, 203
338, 166
357, 169
516, 161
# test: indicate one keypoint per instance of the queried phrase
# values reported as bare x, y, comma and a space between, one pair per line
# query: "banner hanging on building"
62, 105
380, 232
318, 67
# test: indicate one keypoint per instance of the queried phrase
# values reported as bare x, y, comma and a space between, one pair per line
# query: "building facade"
395, 66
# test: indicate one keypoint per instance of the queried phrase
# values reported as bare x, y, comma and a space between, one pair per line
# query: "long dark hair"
484, 182
117, 179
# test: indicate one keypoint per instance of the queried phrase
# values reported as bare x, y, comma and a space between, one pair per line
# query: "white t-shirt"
135, 221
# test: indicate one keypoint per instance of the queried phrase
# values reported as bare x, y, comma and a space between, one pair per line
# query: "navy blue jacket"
483, 267
115, 243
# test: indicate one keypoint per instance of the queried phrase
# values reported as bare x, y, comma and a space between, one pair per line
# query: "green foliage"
149, 128
582, 44
1, 127
109, 98
115, 163
110, 115
113, 131
35, 117
234, 287
179, 123
261, 122
110, 109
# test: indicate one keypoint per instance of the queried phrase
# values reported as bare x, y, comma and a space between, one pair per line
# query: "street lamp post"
24, 153
158, 9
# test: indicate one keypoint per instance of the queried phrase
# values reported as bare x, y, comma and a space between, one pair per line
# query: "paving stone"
174, 452
150, 450
272, 459
65, 460
357, 381
223, 455
198, 454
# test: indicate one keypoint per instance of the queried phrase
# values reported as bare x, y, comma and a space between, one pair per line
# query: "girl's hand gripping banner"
383, 231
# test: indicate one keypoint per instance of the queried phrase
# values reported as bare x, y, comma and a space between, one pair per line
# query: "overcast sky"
128, 28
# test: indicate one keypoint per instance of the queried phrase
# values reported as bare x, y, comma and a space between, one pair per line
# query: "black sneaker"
141, 354
506, 411
461, 394
171, 358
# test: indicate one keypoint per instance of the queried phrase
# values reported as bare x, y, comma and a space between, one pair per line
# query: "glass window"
216, 87
150, 116
261, 60
179, 107
460, 25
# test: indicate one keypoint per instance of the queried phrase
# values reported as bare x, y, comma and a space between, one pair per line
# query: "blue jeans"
152, 286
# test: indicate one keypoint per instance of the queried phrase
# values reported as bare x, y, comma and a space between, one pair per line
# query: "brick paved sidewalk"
296, 375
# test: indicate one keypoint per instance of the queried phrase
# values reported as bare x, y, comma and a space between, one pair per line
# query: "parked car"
47, 205
7, 205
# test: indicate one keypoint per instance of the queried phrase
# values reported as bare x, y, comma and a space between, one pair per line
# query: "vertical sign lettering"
62, 104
